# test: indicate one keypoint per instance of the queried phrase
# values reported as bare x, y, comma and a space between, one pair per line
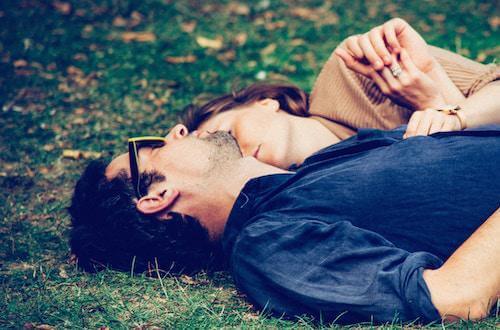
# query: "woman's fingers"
370, 53
437, 123
364, 69
413, 123
378, 43
352, 63
393, 82
391, 37
425, 123
451, 124
352, 45
344, 55
408, 64
430, 121
380, 82
419, 124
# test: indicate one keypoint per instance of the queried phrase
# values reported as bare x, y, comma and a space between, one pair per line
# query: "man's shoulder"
368, 139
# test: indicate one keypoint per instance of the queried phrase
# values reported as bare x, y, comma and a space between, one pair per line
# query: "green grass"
68, 81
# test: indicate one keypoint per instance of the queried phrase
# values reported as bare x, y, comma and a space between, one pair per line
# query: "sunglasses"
134, 145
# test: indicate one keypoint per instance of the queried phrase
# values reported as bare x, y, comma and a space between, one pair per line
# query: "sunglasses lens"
134, 147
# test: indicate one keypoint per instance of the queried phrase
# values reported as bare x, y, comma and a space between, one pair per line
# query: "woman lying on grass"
381, 79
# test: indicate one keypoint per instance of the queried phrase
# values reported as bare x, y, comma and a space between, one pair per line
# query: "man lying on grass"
375, 227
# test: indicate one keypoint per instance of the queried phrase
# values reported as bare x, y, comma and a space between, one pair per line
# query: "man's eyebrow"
147, 179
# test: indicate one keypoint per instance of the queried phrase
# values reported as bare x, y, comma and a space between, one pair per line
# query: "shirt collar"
253, 193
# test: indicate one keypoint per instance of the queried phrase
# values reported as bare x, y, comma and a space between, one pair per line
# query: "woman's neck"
309, 136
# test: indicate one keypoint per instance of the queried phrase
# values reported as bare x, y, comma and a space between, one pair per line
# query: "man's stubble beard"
225, 151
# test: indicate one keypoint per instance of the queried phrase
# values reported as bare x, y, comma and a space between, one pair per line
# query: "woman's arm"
467, 285
482, 107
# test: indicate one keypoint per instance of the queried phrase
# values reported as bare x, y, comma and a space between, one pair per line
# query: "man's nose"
177, 132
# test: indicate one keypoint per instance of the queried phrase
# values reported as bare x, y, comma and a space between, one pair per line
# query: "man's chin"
225, 142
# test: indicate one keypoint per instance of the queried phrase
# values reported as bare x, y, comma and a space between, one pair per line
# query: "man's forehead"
117, 165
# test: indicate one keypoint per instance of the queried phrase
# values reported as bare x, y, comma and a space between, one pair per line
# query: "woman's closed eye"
228, 131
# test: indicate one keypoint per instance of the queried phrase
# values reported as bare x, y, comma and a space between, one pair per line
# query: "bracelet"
453, 110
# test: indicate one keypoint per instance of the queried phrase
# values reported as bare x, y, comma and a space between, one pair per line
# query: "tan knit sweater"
343, 100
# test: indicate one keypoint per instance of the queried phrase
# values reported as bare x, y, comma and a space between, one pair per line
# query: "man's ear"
270, 104
156, 202
179, 131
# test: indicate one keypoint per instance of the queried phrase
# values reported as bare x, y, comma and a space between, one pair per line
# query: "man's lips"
256, 152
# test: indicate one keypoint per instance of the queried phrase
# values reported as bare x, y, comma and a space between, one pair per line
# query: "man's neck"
217, 203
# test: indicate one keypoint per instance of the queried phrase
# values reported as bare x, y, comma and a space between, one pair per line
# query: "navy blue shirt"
348, 235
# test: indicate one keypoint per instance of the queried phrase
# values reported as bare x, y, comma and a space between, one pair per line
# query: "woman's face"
261, 129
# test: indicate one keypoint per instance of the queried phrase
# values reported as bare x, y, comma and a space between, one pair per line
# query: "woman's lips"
256, 152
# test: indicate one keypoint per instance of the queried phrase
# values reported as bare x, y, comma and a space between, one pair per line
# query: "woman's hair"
291, 99
107, 230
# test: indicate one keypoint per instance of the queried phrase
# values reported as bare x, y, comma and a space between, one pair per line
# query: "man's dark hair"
108, 231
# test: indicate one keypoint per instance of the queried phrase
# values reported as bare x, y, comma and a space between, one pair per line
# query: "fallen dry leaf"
135, 19
48, 147
62, 273
227, 56
74, 71
91, 154
29, 326
138, 36
24, 72
187, 280
181, 59
241, 38
372, 11
79, 111
72, 154
20, 63
250, 317
438, 17
303, 12
238, 8
297, 42
269, 49
188, 27
77, 154
79, 121
275, 25
210, 43
119, 21
494, 22
321, 15
80, 57
62, 7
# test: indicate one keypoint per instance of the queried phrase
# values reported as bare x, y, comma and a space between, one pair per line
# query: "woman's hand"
375, 47
410, 87
431, 121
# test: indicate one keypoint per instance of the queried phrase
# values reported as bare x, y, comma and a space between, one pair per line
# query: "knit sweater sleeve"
469, 76
353, 101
